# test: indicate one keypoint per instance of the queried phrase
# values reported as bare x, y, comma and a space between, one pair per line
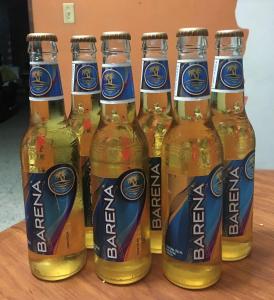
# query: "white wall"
258, 17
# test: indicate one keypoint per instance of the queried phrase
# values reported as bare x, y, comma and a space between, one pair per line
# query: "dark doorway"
14, 25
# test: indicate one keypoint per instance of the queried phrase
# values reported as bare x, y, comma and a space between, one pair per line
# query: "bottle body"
191, 156
238, 140
155, 117
84, 119
192, 177
119, 162
50, 175
118, 153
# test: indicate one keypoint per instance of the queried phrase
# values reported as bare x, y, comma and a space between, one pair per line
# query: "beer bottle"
119, 165
238, 140
192, 173
85, 112
155, 117
50, 171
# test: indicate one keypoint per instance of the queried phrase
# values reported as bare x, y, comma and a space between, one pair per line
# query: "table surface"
251, 278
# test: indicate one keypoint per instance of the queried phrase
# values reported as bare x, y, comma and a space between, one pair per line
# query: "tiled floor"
11, 198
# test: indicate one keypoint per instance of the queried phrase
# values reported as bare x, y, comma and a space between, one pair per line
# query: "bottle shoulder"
116, 139
60, 135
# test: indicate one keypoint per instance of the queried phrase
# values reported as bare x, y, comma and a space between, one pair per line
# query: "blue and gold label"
49, 200
118, 212
238, 195
85, 80
117, 84
155, 76
191, 80
228, 76
155, 193
45, 82
193, 229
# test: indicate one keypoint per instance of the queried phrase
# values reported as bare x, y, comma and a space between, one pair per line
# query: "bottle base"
233, 251
191, 276
58, 268
122, 273
89, 238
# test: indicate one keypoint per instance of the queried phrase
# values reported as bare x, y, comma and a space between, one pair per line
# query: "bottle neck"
46, 95
155, 82
85, 81
228, 80
192, 91
117, 97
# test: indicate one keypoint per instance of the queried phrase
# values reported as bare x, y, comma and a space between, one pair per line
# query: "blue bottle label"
45, 82
228, 75
155, 76
193, 229
155, 193
87, 199
85, 80
117, 84
118, 209
238, 195
191, 80
49, 200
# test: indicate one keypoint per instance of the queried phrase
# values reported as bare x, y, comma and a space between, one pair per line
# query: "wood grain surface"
252, 278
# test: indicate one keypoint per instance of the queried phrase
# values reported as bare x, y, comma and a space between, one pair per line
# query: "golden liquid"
155, 119
50, 141
118, 146
238, 139
84, 120
190, 148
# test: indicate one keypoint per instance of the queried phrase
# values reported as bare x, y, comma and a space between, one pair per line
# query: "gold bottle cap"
154, 36
41, 37
115, 35
229, 33
83, 38
192, 32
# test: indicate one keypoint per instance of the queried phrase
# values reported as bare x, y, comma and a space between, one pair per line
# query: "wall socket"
68, 12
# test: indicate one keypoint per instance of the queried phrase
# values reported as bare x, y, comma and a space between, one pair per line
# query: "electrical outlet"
68, 11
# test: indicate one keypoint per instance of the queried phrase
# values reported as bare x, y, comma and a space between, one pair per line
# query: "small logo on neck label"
40, 81
228, 75
45, 82
191, 80
117, 84
113, 84
85, 78
155, 76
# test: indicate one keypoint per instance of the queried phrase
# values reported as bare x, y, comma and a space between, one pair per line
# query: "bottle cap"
83, 38
229, 33
115, 35
154, 36
41, 37
192, 32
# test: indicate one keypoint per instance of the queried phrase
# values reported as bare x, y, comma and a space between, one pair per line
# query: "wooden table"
252, 278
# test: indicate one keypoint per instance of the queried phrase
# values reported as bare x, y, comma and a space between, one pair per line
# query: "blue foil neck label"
117, 84
155, 193
155, 76
45, 82
193, 229
228, 75
49, 201
191, 80
118, 208
85, 80
238, 195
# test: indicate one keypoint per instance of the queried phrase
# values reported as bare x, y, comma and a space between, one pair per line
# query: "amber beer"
50, 171
238, 140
